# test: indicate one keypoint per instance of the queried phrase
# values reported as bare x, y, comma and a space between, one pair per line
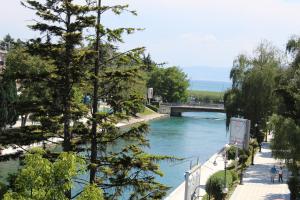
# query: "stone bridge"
178, 109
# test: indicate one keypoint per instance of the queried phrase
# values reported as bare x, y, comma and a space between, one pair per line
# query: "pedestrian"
280, 172
273, 172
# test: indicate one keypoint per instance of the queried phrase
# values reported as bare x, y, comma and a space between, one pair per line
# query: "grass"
147, 111
206, 96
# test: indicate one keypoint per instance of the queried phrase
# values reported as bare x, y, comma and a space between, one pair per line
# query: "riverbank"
214, 164
13, 149
140, 119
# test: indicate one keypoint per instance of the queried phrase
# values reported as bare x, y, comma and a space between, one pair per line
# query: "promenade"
257, 184
207, 169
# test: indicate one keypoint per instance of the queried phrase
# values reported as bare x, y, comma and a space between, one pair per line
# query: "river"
192, 136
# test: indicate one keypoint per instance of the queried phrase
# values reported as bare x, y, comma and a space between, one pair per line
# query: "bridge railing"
194, 104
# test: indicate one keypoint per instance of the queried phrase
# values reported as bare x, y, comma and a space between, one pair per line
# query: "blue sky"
200, 36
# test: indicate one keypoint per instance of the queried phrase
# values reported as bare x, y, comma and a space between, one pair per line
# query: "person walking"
280, 172
273, 172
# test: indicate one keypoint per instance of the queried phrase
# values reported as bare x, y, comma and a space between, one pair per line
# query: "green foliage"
215, 184
232, 151
234, 175
8, 99
42, 179
169, 83
3, 189
254, 80
91, 193
286, 140
8, 43
206, 96
55, 71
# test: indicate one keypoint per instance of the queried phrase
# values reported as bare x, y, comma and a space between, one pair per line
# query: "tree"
8, 99
252, 95
71, 69
170, 83
286, 140
8, 43
91, 192
117, 79
63, 23
285, 123
41, 178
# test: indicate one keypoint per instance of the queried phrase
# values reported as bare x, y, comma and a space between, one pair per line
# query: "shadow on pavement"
277, 197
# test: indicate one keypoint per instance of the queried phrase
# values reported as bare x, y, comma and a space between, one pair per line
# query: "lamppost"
253, 146
225, 189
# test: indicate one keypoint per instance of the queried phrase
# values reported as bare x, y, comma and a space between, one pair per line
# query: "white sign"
150, 93
239, 132
192, 183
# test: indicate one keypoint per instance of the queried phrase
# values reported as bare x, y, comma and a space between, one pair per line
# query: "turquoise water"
192, 136
215, 86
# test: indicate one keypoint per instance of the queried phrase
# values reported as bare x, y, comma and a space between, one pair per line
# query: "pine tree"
62, 23
118, 80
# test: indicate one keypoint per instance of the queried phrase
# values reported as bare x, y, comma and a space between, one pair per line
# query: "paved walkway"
207, 169
257, 181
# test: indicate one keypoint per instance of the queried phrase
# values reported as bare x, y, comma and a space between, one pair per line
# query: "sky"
200, 36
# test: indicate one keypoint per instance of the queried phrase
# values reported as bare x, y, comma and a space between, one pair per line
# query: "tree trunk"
67, 89
67, 83
94, 149
24, 120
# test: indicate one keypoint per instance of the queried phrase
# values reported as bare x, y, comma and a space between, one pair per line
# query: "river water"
192, 136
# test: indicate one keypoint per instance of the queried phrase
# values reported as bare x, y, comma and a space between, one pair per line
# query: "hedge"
215, 184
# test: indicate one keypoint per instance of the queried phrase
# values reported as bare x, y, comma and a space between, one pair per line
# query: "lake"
214, 86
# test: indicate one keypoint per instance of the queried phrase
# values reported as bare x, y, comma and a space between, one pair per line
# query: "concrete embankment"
213, 164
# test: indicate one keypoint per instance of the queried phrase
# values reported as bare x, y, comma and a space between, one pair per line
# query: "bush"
3, 190
234, 175
232, 150
215, 184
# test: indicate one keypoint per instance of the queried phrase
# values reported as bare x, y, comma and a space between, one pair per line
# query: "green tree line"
265, 89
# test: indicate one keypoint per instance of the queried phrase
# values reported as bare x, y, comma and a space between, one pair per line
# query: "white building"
2, 59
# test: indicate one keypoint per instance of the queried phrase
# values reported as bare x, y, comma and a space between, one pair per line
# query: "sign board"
150, 93
192, 183
239, 132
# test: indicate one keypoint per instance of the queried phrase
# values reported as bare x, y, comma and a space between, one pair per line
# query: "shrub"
3, 190
215, 184
232, 150
234, 175
243, 158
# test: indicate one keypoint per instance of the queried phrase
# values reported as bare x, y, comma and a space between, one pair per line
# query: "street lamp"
225, 189
252, 158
